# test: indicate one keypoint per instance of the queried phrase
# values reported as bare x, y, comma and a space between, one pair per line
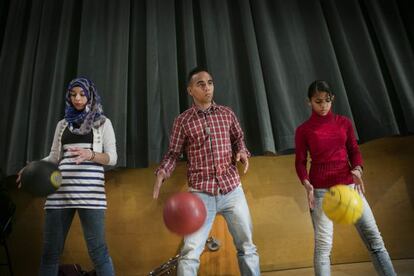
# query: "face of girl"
321, 103
78, 98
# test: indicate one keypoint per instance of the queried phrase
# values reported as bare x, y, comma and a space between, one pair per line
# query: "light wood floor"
402, 267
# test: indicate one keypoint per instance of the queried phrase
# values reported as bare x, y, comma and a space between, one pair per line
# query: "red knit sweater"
334, 151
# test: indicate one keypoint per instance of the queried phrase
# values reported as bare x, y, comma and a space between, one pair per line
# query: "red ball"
184, 213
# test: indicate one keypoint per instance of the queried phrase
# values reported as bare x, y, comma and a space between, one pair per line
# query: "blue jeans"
367, 229
233, 207
57, 224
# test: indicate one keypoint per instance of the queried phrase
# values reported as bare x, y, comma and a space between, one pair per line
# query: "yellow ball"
342, 204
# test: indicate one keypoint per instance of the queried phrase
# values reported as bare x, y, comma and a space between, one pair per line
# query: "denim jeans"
57, 224
233, 207
367, 229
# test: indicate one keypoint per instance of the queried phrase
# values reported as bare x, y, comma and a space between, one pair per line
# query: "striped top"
83, 184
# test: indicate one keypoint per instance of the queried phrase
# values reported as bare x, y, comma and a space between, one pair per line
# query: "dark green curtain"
262, 55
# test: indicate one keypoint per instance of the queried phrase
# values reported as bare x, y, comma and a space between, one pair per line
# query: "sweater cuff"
359, 168
303, 180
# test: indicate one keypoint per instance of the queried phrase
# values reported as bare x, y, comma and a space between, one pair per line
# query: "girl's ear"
308, 102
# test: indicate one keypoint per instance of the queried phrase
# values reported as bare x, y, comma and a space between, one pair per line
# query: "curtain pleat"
262, 56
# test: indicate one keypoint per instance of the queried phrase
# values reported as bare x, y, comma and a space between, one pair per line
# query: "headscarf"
81, 121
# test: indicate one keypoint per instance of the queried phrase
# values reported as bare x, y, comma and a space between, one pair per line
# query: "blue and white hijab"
82, 121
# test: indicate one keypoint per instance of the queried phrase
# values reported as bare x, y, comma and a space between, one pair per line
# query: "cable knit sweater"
333, 149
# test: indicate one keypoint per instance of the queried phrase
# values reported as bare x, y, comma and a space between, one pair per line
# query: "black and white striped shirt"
83, 185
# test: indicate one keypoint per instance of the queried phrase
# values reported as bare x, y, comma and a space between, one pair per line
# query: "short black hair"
194, 71
319, 86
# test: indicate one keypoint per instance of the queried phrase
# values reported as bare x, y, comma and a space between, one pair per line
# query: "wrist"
306, 183
244, 151
161, 173
308, 187
92, 155
358, 168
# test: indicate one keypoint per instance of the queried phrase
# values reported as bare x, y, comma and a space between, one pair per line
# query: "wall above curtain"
262, 55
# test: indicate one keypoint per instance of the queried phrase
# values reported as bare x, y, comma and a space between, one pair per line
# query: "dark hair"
319, 86
194, 71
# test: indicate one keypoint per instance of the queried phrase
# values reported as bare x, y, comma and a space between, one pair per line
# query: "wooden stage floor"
403, 268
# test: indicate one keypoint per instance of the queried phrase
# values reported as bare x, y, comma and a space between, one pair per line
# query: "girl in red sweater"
330, 140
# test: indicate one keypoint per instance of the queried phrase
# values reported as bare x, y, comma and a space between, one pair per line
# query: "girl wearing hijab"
84, 141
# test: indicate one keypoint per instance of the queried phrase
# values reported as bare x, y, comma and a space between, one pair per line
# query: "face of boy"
201, 88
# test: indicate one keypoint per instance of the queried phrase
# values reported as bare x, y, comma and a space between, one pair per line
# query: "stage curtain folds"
262, 55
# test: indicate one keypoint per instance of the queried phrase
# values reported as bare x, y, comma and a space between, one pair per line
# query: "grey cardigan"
103, 141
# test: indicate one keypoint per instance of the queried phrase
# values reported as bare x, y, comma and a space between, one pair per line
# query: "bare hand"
243, 158
309, 191
81, 154
359, 183
161, 175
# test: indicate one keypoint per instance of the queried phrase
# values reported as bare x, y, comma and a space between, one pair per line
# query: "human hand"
161, 175
309, 192
359, 183
244, 159
81, 154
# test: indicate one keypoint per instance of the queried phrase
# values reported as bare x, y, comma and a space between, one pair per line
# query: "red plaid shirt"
210, 139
